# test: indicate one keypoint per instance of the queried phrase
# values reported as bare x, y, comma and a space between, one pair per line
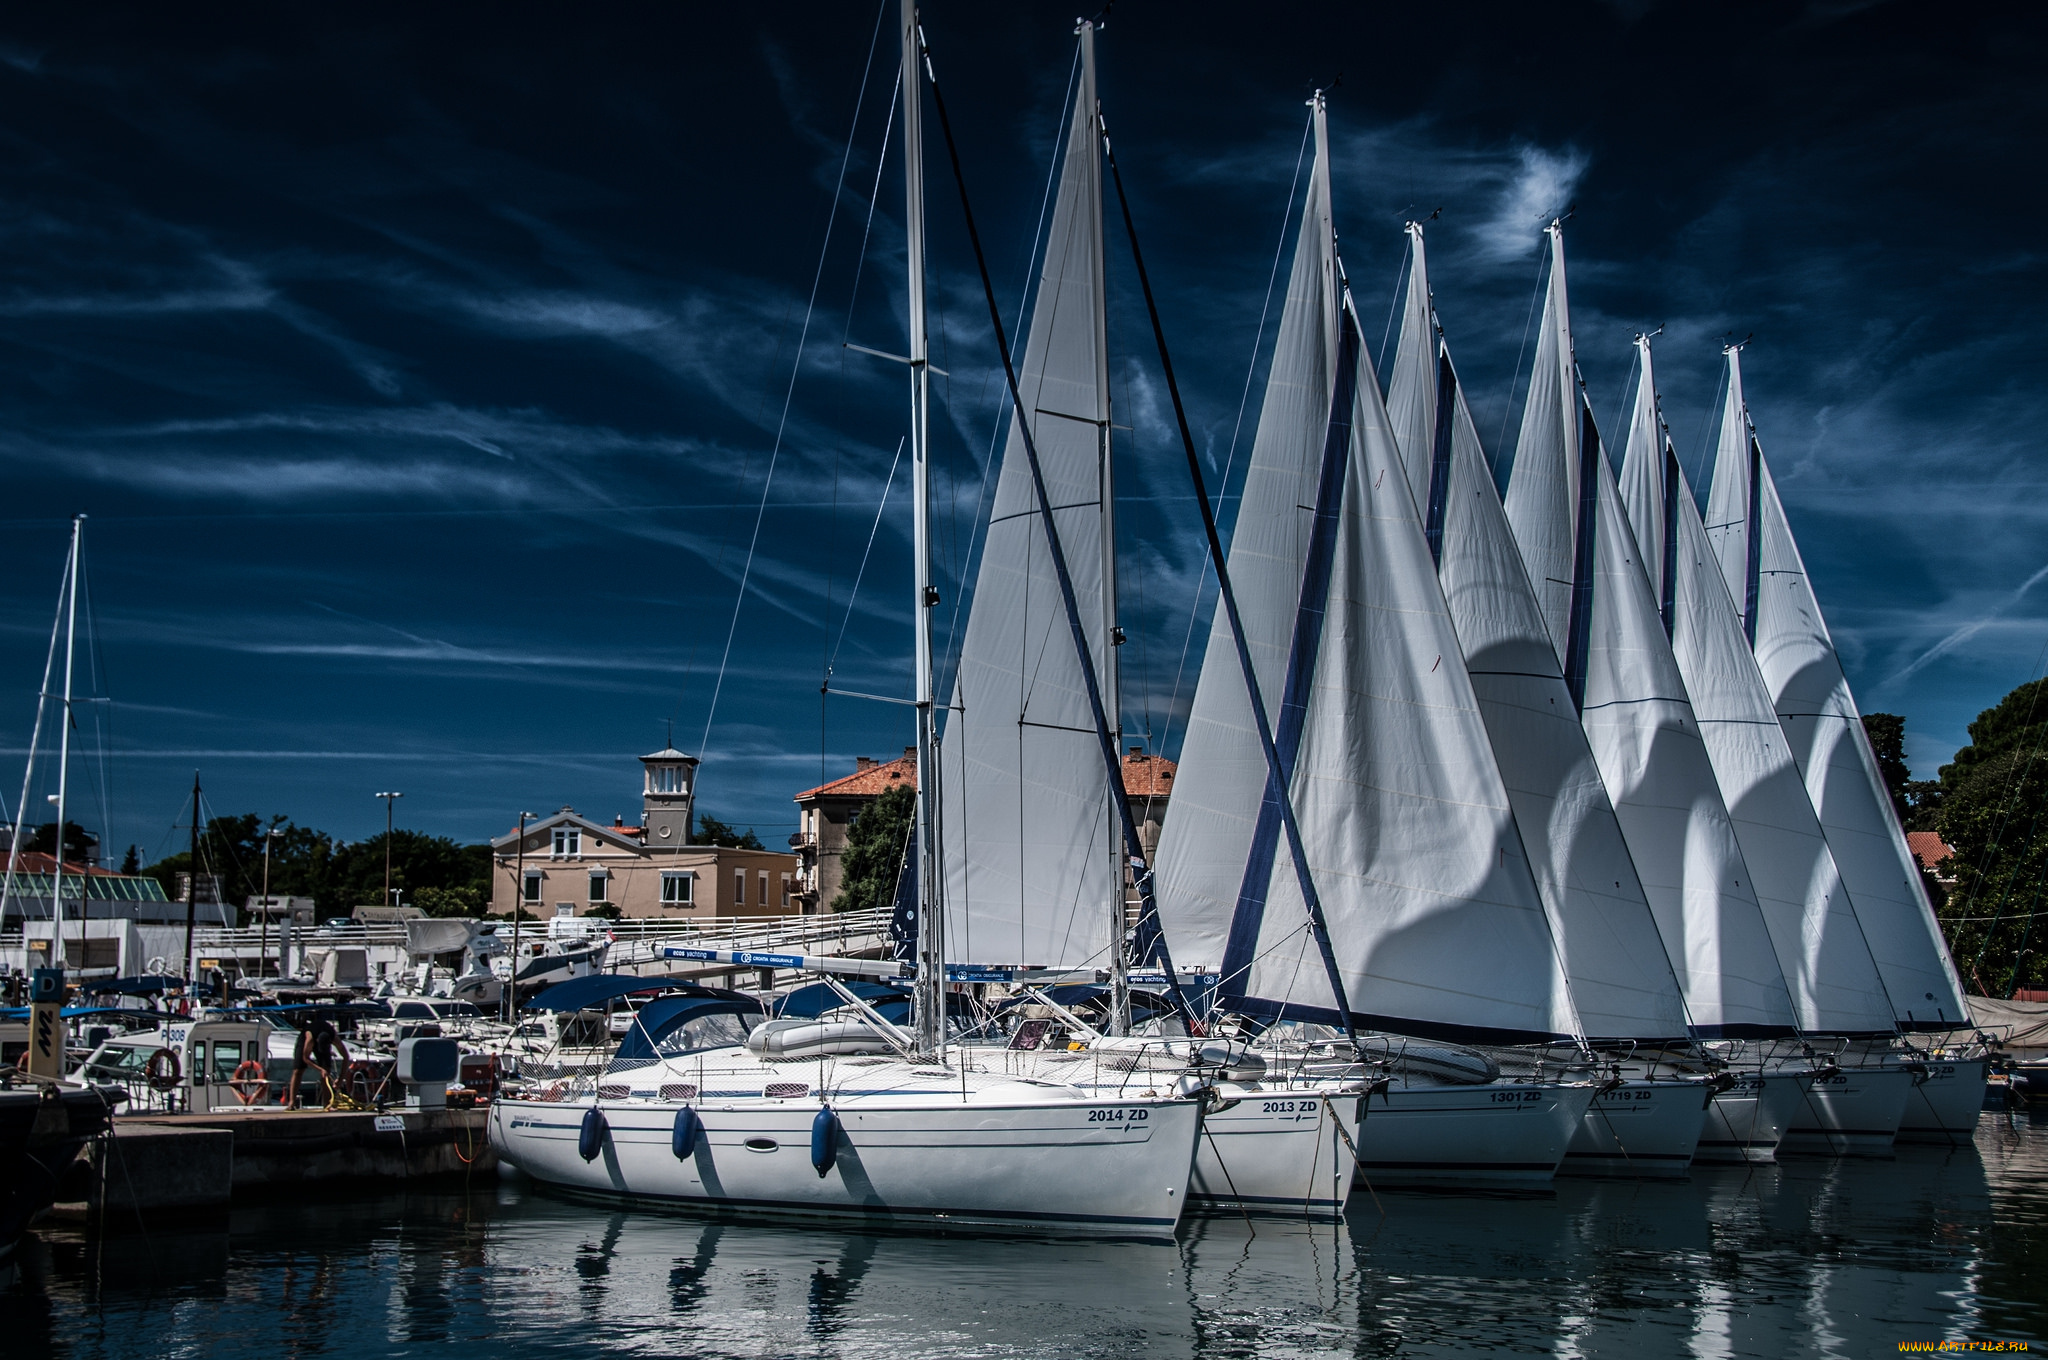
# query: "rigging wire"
853, 596
34, 740
788, 397
1230, 462
1514, 379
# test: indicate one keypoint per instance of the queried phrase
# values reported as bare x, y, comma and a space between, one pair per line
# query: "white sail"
1820, 947
1435, 921
1566, 514
1768, 584
1222, 776
1029, 864
1621, 979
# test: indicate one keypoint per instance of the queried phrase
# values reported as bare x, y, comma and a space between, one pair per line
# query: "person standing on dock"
315, 1050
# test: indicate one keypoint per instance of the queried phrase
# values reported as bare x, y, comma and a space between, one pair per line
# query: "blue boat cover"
658, 1019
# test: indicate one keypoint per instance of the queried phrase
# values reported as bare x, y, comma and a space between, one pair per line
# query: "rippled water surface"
1808, 1258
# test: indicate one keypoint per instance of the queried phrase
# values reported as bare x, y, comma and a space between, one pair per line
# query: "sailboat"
1430, 929
1606, 633
47, 1117
1837, 996
896, 1126
1035, 819
1782, 623
1645, 1122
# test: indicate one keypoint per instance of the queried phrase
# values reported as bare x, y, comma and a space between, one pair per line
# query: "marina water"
1812, 1257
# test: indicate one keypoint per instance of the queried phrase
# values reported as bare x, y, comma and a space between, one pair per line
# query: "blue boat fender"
683, 1141
590, 1141
824, 1140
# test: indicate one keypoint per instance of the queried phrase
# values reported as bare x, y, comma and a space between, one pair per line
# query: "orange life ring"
163, 1070
249, 1084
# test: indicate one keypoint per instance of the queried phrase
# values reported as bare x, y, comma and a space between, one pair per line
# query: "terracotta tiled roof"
1148, 776
36, 862
1928, 847
871, 781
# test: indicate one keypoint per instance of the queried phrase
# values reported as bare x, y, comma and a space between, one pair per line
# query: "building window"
739, 887
763, 898
533, 885
677, 888
785, 891
600, 880
665, 779
568, 841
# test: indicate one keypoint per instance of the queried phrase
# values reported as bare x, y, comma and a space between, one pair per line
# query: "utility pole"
388, 798
192, 891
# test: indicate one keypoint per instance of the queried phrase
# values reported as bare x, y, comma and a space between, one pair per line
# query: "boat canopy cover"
808, 1003
582, 993
659, 1019
134, 986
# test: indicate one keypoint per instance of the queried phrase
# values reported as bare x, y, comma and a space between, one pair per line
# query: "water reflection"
1813, 1257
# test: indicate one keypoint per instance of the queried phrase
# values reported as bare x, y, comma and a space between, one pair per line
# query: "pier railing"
635, 942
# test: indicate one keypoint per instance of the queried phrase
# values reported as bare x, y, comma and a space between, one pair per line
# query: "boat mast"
57, 950
1119, 925
929, 1002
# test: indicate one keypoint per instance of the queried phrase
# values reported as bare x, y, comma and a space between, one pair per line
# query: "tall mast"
64, 750
930, 999
192, 888
1113, 842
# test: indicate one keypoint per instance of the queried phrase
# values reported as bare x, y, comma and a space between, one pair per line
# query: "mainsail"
1031, 857
1436, 923
1604, 625
1781, 619
1820, 946
1614, 959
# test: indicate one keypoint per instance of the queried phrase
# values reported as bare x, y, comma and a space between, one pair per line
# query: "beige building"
570, 864
825, 815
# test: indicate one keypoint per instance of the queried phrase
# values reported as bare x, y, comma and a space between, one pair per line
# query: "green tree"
1887, 733
1994, 811
131, 863
339, 876
80, 845
874, 851
711, 831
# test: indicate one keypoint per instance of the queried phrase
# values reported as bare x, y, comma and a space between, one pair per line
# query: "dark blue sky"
421, 372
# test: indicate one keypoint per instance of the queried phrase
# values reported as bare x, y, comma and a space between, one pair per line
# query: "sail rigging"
1607, 635
1761, 564
1621, 978
1820, 947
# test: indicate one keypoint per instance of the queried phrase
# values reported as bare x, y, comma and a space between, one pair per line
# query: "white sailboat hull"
1088, 1165
1943, 1109
1639, 1128
1747, 1122
1505, 1133
1282, 1151
1853, 1112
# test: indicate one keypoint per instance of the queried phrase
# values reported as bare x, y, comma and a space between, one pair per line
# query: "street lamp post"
389, 799
263, 949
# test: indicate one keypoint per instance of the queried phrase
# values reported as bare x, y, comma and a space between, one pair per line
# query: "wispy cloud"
1967, 631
